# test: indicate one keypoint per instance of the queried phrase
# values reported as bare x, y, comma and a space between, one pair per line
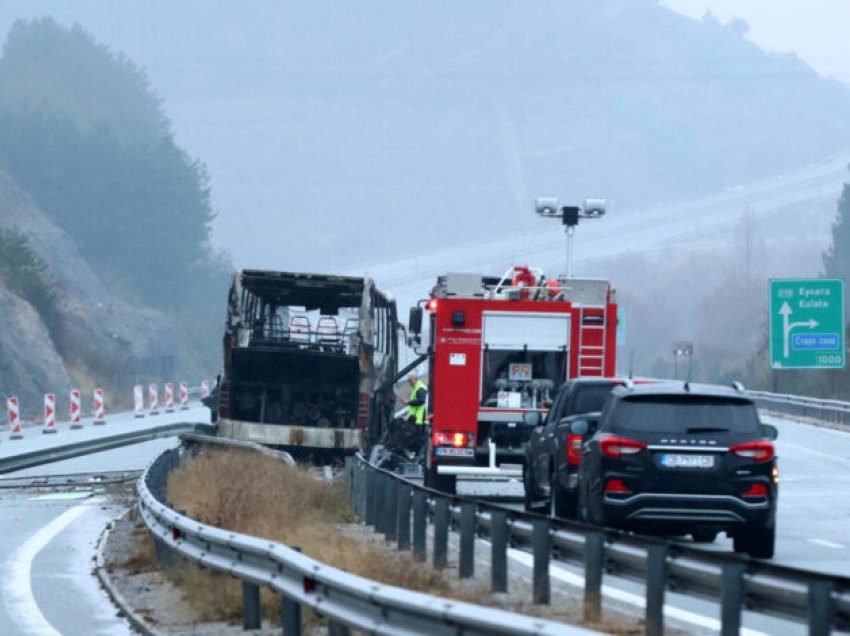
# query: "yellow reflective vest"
419, 392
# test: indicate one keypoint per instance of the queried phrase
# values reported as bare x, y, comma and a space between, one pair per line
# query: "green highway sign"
807, 323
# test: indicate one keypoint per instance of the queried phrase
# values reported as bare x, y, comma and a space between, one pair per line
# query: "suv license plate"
454, 452
673, 460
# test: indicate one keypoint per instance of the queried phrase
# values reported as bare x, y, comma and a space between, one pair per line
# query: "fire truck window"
547, 372
537, 333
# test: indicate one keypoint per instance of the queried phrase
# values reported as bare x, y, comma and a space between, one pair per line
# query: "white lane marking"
627, 597
63, 496
17, 583
827, 544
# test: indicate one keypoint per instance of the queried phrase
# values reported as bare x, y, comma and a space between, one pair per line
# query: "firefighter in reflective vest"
416, 403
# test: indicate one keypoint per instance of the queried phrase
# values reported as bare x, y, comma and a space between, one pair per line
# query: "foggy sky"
224, 70
815, 30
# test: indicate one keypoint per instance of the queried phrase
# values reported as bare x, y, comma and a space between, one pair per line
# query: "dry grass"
258, 495
255, 494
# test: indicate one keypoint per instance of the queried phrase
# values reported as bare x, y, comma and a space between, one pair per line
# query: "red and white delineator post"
14, 418
76, 409
169, 397
138, 401
153, 398
205, 388
184, 396
99, 415
49, 413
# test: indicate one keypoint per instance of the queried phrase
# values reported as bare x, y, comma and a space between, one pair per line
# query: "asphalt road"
35, 439
134, 457
47, 585
813, 525
47, 544
48, 539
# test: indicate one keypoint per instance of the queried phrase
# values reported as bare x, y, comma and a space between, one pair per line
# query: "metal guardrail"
77, 449
97, 478
832, 412
346, 600
391, 504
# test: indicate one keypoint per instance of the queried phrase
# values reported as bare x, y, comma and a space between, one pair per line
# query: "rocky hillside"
99, 340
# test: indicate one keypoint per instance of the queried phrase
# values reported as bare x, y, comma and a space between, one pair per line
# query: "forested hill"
85, 135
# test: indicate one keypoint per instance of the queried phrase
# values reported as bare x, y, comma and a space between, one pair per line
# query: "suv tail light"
458, 439
224, 400
573, 449
619, 446
760, 451
756, 490
617, 487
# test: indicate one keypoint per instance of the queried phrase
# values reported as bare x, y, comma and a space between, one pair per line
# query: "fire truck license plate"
673, 460
455, 452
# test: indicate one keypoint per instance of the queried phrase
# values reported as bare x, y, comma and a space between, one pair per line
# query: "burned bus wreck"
306, 357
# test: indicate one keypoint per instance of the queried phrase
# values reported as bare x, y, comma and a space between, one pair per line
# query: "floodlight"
546, 206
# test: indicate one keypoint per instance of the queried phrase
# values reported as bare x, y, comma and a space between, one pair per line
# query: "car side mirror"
579, 427
414, 321
531, 418
769, 432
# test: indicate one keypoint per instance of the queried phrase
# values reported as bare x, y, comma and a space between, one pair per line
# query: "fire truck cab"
499, 347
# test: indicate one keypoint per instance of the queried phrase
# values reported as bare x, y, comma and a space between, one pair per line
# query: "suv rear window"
590, 398
685, 414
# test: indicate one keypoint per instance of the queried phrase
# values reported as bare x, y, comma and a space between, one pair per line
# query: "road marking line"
17, 581
627, 597
63, 496
827, 544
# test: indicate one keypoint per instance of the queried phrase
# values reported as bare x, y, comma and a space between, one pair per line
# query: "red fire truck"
499, 347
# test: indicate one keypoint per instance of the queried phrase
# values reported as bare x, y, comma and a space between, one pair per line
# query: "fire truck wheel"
443, 483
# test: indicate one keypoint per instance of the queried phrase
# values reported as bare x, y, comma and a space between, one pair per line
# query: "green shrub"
24, 273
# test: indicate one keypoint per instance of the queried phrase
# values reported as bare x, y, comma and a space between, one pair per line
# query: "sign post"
807, 323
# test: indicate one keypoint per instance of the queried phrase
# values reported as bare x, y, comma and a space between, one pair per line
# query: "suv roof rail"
738, 387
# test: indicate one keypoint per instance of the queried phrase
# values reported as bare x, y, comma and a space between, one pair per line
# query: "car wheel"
741, 541
534, 501
564, 503
759, 543
704, 536
763, 543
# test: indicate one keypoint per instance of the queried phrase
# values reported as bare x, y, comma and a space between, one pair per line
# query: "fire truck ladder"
591, 340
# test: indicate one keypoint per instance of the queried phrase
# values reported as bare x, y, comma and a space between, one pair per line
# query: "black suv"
675, 459
552, 453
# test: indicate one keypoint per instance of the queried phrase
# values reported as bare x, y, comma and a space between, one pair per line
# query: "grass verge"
251, 493
254, 494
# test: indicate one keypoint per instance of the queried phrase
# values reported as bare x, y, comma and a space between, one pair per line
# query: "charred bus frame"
307, 358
